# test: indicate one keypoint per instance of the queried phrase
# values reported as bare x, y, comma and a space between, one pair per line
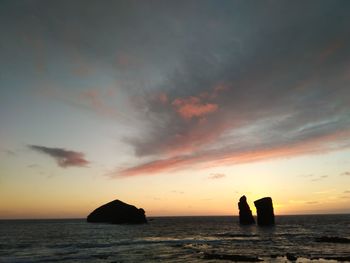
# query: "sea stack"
264, 210
245, 214
117, 212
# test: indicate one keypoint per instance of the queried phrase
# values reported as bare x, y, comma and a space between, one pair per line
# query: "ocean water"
173, 239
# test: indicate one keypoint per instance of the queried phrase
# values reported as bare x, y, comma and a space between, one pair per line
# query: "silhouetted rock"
117, 212
342, 240
245, 214
291, 257
264, 210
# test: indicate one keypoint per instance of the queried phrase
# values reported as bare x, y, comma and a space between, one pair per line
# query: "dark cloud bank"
64, 158
256, 81
215, 82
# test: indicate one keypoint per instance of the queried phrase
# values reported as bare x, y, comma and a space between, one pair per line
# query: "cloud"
217, 176
319, 178
237, 154
63, 157
177, 192
191, 107
346, 174
347, 192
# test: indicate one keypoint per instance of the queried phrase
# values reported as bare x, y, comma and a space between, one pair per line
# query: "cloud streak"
233, 155
319, 178
217, 176
64, 158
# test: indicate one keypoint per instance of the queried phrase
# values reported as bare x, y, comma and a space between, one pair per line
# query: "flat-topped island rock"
264, 210
117, 212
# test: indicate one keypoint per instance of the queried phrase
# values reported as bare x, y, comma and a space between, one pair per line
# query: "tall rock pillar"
245, 214
264, 210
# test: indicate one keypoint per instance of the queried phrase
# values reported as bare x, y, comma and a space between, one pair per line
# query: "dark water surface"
172, 239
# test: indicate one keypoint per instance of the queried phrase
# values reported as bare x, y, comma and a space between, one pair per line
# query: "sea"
176, 239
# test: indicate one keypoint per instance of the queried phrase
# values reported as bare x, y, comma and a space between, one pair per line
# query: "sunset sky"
178, 107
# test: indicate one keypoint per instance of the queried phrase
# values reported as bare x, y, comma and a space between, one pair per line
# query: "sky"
178, 107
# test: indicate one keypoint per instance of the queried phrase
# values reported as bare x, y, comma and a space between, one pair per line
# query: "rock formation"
245, 214
117, 212
264, 210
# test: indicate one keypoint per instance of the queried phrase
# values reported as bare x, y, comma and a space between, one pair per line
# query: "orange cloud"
191, 107
157, 166
321, 144
317, 145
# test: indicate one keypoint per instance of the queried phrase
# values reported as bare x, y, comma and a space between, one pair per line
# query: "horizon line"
170, 216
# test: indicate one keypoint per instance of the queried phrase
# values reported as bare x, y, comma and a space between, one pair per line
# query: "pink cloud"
200, 106
156, 166
191, 107
206, 159
195, 138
